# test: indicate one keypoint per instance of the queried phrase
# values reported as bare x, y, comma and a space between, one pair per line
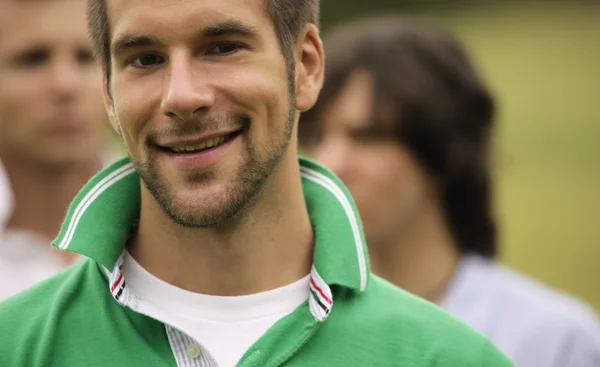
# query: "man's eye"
85, 56
33, 58
365, 135
224, 49
146, 61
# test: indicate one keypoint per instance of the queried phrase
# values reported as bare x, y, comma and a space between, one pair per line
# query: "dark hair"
288, 16
443, 113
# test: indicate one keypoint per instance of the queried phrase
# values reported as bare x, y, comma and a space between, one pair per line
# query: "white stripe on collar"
328, 183
102, 186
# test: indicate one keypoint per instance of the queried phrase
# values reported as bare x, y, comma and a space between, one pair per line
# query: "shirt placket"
187, 351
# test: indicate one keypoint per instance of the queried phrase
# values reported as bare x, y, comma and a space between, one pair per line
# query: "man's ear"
109, 104
310, 68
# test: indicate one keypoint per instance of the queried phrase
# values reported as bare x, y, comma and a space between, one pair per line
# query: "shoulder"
548, 317
25, 260
34, 313
396, 307
521, 314
43, 294
410, 326
542, 305
35, 304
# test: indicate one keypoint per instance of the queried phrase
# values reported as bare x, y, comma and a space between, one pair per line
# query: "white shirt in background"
25, 258
226, 327
534, 325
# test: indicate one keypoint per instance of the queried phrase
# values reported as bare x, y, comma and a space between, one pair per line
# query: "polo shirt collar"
100, 217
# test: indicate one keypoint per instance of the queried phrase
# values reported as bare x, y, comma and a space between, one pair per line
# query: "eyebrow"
227, 28
230, 27
126, 42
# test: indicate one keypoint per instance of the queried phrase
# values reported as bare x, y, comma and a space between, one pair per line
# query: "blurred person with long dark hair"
406, 121
52, 123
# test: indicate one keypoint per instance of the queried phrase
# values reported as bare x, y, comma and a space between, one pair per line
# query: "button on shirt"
193, 351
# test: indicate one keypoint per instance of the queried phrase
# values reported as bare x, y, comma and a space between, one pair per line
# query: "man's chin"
198, 208
199, 217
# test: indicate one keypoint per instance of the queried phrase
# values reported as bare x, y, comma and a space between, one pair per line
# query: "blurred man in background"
405, 121
51, 127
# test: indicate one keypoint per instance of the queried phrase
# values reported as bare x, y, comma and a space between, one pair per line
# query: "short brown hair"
442, 111
288, 16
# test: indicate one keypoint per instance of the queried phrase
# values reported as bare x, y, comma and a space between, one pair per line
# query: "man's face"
51, 111
199, 91
383, 177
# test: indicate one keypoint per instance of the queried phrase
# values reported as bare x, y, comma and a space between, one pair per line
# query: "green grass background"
543, 62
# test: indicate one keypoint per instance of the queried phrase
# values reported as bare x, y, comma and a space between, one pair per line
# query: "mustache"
200, 126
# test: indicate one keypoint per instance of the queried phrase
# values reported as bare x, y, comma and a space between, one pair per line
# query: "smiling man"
212, 244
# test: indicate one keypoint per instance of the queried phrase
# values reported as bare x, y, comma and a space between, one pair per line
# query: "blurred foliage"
542, 61
335, 11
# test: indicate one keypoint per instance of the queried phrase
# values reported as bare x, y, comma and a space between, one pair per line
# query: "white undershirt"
225, 326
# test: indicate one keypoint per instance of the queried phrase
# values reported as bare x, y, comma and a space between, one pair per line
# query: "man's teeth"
210, 143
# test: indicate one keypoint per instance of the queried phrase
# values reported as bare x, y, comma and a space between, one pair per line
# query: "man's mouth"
204, 145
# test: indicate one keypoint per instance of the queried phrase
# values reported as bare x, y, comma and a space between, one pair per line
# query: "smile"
201, 146
201, 153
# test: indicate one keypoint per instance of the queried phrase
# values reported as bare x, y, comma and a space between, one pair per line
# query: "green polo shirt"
86, 315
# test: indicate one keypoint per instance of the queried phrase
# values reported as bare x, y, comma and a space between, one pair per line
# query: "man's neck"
42, 195
421, 261
270, 245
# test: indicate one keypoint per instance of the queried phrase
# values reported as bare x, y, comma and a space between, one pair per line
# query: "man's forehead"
161, 17
117, 8
11, 8
41, 19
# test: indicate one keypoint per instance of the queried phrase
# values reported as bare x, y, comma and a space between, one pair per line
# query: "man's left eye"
225, 49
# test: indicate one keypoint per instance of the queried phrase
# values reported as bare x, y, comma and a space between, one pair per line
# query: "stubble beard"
241, 192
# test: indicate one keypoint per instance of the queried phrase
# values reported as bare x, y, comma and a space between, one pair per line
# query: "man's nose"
187, 91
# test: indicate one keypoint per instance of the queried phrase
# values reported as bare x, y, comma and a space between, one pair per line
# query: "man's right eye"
33, 58
146, 61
